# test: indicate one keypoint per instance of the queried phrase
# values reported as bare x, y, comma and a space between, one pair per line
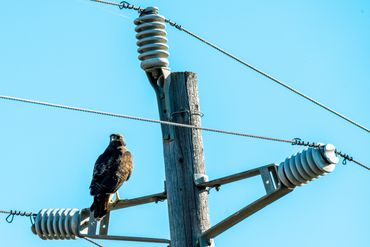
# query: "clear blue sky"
84, 54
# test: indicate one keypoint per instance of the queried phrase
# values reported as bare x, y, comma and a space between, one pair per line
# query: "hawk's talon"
117, 199
111, 201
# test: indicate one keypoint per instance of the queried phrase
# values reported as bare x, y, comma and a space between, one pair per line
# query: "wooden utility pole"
178, 101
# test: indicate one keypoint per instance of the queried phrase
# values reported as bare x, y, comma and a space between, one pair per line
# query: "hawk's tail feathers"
100, 205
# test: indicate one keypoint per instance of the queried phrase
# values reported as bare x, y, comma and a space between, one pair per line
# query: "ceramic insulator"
307, 165
152, 40
55, 223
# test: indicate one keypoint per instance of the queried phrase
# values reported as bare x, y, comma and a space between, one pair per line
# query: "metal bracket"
274, 190
157, 78
89, 225
200, 178
125, 203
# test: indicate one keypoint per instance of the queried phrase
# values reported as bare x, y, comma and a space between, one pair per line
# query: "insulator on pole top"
307, 165
152, 40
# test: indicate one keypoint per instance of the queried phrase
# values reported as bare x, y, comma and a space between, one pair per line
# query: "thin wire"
126, 5
121, 5
299, 142
13, 213
350, 158
18, 213
109, 3
360, 164
273, 79
295, 141
92, 241
104, 10
79, 109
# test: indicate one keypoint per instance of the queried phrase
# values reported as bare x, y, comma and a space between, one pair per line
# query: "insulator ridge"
307, 165
152, 40
55, 223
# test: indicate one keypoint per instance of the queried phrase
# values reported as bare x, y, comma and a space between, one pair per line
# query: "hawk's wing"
100, 165
127, 163
102, 180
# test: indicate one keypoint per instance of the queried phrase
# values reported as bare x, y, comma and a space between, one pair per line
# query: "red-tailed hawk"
112, 168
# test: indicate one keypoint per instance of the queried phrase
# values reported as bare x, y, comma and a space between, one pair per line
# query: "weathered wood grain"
183, 156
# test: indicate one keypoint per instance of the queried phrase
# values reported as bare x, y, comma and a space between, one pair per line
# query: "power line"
126, 5
92, 241
350, 158
17, 212
275, 80
109, 3
109, 114
13, 213
299, 142
295, 141
121, 5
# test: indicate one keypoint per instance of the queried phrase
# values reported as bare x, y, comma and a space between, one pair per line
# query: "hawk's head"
117, 139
